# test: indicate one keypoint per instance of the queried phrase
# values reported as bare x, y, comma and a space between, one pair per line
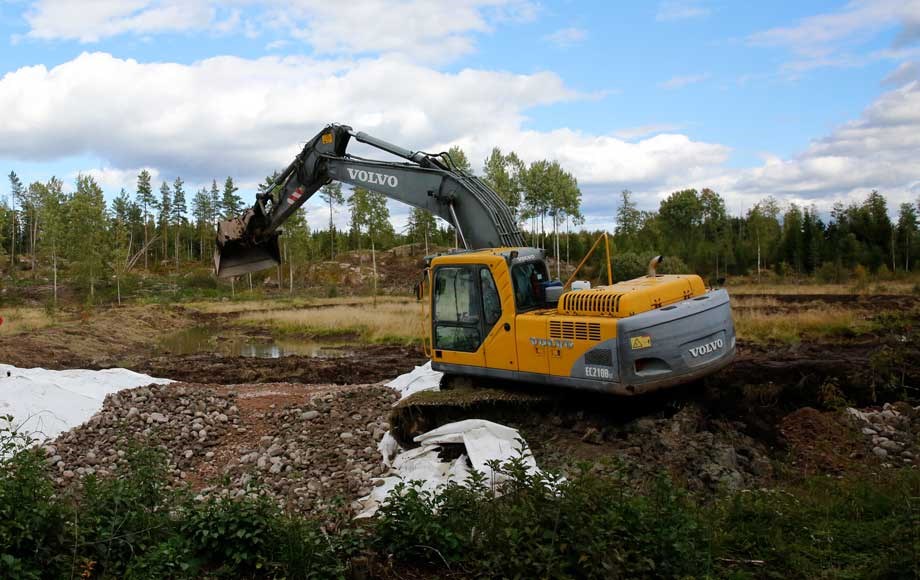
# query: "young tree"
503, 174
421, 226
165, 208
230, 204
30, 204
628, 222
147, 202
763, 221
53, 223
178, 211
907, 232
298, 248
369, 213
460, 160
16, 193
331, 193
202, 212
87, 242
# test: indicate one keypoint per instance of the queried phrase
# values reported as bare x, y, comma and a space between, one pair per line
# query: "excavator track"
521, 404
462, 397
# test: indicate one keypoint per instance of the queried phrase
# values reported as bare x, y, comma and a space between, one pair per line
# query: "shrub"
125, 515
234, 534
537, 525
32, 521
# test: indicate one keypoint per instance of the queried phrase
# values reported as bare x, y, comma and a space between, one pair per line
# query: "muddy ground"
309, 425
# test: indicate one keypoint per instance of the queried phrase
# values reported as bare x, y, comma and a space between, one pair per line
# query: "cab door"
457, 325
498, 316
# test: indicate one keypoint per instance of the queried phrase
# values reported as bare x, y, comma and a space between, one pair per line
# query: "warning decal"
638, 342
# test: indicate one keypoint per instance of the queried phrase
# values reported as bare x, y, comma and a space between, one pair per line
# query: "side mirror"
418, 290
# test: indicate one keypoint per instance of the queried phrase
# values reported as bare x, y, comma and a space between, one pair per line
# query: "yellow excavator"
494, 312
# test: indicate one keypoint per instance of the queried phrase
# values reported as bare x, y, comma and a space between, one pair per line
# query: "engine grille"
599, 356
590, 302
570, 330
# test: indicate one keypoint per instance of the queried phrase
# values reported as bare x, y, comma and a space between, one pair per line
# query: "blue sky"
806, 101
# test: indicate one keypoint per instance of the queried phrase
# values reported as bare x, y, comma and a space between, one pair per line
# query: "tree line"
89, 242
791, 239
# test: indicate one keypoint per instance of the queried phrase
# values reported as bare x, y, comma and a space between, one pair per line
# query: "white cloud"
823, 40
424, 30
112, 179
566, 37
906, 72
669, 10
92, 21
245, 117
645, 130
876, 151
680, 82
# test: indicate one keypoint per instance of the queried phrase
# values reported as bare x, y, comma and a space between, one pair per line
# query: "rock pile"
707, 455
185, 421
316, 452
304, 445
893, 430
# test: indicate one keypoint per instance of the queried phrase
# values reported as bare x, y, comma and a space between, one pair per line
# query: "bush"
32, 522
628, 265
235, 534
537, 525
125, 515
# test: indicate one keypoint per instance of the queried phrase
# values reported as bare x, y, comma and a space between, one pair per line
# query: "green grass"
588, 525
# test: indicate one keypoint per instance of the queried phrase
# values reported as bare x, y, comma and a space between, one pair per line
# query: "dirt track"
772, 404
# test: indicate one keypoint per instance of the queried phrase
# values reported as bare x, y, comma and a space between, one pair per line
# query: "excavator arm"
433, 183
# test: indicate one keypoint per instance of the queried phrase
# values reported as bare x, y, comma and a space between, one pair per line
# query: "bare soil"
774, 413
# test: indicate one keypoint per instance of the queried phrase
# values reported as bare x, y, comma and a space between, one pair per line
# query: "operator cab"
466, 303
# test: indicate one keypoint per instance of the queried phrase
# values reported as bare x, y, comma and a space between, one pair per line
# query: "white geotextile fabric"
483, 441
46, 403
421, 378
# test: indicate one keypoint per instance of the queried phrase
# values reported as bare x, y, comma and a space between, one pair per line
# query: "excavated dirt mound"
306, 446
822, 442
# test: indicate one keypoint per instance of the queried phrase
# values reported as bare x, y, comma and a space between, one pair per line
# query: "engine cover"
631, 297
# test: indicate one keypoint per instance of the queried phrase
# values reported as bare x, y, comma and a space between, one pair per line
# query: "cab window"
528, 278
456, 309
491, 302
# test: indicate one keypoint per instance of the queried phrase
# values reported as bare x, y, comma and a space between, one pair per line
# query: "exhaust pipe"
653, 265
237, 251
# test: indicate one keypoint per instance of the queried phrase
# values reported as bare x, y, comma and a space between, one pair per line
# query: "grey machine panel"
689, 340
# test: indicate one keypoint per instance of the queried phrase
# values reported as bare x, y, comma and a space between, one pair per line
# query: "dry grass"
244, 306
391, 321
883, 287
19, 320
793, 327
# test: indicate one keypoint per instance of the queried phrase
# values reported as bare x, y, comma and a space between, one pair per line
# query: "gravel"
312, 450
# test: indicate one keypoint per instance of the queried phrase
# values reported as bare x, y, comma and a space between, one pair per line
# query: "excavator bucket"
237, 253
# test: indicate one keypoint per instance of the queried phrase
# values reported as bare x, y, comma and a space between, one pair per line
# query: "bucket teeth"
237, 253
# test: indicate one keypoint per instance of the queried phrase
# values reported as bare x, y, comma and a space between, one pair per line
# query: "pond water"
207, 339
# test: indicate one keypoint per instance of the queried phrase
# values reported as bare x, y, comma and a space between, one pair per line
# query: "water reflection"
207, 339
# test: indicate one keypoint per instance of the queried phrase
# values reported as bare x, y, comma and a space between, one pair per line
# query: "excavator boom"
494, 313
431, 182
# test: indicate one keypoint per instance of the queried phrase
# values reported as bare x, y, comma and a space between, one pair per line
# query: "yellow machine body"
490, 317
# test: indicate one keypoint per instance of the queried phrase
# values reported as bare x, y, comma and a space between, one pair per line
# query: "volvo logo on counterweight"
372, 177
707, 348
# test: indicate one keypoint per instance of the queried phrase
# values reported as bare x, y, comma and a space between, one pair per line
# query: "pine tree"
331, 193
230, 203
165, 213
202, 212
87, 235
16, 193
178, 212
147, 201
